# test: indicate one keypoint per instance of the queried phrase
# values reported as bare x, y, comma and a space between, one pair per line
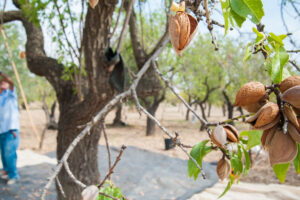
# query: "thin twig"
114, 198
68, 170
294, 64
178, 143
72, 24
60, 187
125, 25
293, 51
118, 19
107, 144
209, 25
111, 170
203, 121
230, 120
64, 30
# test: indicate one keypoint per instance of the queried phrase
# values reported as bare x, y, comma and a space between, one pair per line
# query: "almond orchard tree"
87, 76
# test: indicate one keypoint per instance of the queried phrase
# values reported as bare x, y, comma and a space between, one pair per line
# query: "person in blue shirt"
9, 128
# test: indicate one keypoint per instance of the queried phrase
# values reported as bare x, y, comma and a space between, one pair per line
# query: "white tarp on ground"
250, 191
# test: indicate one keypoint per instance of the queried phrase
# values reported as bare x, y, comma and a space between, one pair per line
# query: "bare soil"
133, 134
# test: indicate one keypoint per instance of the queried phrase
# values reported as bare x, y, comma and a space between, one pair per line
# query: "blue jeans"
9, 143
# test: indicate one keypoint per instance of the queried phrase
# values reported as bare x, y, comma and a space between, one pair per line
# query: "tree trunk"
187, 116
117, 121
240, 109
203, 115
229, 106
224, 110
152, 106
83, 161
209, 109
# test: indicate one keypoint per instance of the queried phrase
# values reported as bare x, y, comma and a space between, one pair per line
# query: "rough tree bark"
73, 112
229, 106
118, 117
187, 115
201, 102
150, 84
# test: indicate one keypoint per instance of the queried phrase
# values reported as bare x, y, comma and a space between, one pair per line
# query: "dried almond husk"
292, 96
294, 132
266, 117
182, 28
218, 136
250, 93
267, 137
291, 115
254, 107
282, 148
231, 133
289, 82
223, 168
93, 3
90, 193
178, 7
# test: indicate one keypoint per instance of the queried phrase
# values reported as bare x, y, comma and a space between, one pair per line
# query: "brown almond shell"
292, 96
282, 148
250, 93
289, 82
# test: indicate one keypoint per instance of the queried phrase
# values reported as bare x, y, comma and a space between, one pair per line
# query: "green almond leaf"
235, 19
297, 161
277, 39
198, 152
226, 12
281, 170
245, 8
280, 58
248, 52
253, 137
260, 36
236, 164
247, 161
256, 7
229, 184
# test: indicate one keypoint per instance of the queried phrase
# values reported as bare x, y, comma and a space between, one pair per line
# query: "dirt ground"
173, 118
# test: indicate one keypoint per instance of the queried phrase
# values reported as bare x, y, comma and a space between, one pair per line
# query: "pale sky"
272, 21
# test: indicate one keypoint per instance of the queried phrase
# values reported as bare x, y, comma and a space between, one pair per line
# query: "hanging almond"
182, 27
218, 136
231, 133
282, 148
266, 117
93, 3
251, 96
291, 115
90, 193
289, 82
292, 96
294, 133
223, 168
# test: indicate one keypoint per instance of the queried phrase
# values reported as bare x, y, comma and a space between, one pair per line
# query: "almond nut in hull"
223, 168
289, 82
218, 136
231, 132
292, 96
250, 93
294, 133
282, 148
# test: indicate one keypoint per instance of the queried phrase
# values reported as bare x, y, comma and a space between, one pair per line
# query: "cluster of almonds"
279, 122
220, 136
182, 27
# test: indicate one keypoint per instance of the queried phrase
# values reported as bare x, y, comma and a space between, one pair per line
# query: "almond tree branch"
174, 138
118, 19
101, 114
293, 51
209, 25
125, 25
68, 170
113, 198
111, 170
60, 187
107, 144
